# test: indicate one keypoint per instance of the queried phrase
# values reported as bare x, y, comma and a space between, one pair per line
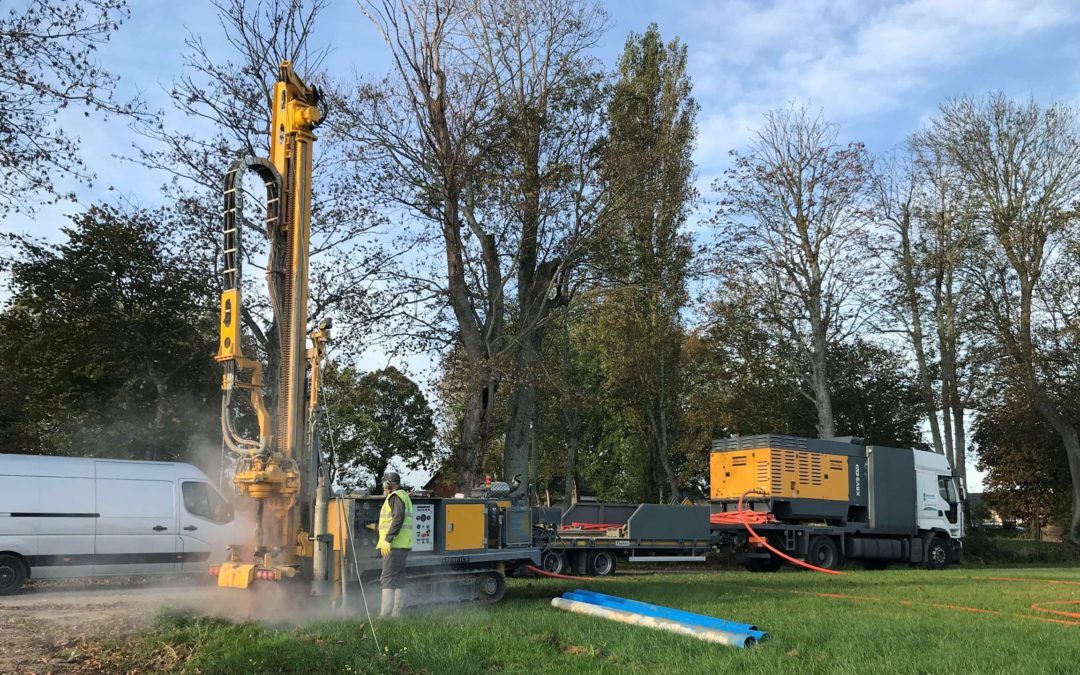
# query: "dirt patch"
42, 626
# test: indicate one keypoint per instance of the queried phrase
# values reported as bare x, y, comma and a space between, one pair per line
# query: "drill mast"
280, 470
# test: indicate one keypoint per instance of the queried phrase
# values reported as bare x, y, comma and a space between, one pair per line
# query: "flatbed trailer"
590, 538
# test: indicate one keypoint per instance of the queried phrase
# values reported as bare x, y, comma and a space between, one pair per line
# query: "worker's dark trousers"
393, 569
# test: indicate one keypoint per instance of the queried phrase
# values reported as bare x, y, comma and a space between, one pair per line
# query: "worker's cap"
391, 477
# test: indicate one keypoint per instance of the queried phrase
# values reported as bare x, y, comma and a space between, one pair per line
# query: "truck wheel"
602, 564
12, 574
553, 562
938, 554
823, 552
579, 562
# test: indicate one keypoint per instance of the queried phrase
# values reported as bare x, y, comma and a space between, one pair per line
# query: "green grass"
891, 626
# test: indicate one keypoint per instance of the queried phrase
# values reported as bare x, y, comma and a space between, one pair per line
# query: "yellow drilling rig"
462, 546
280, 470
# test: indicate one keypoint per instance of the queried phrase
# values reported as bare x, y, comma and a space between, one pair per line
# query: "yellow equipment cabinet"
779, 472
802, 478
466, 527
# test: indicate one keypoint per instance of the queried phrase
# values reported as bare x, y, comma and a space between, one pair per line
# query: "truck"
818, 501
829, 501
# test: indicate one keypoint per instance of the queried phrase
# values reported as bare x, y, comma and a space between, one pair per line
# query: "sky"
877, 69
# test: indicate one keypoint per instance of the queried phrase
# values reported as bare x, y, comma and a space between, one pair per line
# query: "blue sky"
878, 69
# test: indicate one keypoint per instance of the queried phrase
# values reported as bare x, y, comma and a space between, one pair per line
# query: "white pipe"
320, 563
700, 632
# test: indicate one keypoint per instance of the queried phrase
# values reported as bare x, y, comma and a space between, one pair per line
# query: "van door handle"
159, 528
191, 528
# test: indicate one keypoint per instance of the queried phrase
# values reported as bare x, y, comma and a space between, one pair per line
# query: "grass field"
902, 621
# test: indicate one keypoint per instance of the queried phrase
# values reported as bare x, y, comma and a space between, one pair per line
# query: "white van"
80, 517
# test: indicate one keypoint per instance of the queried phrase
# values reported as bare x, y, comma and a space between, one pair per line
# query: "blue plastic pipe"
731, 639
662, 612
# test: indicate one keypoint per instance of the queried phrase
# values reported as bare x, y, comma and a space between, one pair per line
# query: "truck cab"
939, 506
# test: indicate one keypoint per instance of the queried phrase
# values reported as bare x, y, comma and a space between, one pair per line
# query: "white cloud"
855, 59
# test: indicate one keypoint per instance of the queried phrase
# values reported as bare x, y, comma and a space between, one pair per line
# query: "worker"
395, 542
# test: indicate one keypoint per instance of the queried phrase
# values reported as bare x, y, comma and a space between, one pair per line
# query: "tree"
573, 402
1027, 475
790, 222
543, 174
648, 177
485, 133
1021, 163
874, 395
376, 420
927, 214
49, 51
106, 343
744, 379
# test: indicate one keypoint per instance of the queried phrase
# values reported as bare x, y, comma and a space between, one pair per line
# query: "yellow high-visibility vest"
403, 539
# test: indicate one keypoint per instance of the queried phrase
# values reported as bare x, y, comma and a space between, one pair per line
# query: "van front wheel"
12, 574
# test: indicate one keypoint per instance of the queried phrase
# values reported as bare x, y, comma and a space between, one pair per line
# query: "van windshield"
204, 501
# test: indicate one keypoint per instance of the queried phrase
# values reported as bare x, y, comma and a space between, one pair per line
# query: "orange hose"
764, 542
545, 573
1031, 580
737, 518
1059, 612
956, 608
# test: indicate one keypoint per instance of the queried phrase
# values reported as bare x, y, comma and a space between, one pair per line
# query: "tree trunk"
819, 373
476, 430
570, 471
915, 333
661, 430
522, 405
960, 444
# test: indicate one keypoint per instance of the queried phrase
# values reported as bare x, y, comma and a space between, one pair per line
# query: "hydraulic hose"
744, 517
545, 573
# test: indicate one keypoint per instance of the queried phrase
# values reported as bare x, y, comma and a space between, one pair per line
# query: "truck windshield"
204, 501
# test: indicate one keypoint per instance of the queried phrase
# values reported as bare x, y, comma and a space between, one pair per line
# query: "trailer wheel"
938, 554
602, 564
12, 574
823, 552
553, 562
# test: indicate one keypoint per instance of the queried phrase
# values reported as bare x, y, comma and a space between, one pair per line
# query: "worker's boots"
386, 606
399, 602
